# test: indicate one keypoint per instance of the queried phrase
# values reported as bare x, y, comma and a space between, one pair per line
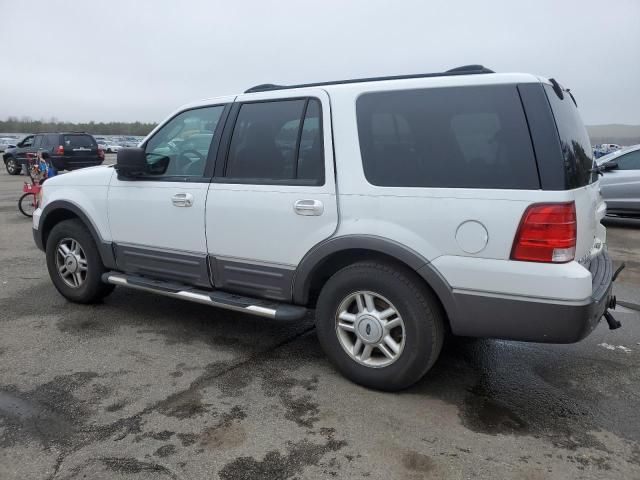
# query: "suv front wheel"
380, 325
12, 166
74, 263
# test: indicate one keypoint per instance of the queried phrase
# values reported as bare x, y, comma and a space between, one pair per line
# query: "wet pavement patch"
507, 388
187, 439
417, 462
165, 451
129, 465
276, 466
227, 433
300, 409
49, 414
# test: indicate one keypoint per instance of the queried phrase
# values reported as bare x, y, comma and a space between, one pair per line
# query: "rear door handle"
308, 207
182, 200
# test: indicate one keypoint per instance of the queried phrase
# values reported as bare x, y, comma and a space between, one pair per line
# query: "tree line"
28, 125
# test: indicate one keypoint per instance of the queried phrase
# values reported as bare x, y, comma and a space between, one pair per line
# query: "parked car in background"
620, 183
7, 143
68, 151
605, 149
112, 147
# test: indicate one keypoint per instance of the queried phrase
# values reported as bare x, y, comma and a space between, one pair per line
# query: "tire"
28, 204
392, 288
89, 288
12, 166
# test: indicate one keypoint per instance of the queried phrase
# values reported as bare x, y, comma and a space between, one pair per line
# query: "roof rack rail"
463, 70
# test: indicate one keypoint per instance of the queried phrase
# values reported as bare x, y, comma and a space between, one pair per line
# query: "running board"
213, 298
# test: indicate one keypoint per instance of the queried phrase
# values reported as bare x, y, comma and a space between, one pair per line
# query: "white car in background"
620, 182
112, 148
7, 143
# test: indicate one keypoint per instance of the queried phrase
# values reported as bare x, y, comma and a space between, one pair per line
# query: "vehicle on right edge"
394, 209
620, 183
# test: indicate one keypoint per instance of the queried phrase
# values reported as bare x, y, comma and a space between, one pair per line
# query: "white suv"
398, 208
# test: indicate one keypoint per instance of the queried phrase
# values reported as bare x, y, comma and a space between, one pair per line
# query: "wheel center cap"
369, 329
71, 263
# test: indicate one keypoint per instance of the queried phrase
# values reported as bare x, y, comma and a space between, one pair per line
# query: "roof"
464, 70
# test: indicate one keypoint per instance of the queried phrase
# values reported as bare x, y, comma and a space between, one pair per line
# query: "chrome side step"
213, 298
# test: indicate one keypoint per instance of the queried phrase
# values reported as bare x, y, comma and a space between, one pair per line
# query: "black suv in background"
69, 151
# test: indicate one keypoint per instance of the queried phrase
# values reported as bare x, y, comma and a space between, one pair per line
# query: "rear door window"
53, 140
469, 137
574, 140
277, 142
79, 141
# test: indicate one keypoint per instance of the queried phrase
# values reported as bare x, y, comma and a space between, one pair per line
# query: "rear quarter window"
574, 140
470, 137
79, 141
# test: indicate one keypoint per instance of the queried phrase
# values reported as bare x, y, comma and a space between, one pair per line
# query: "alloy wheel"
71, 262
370, 329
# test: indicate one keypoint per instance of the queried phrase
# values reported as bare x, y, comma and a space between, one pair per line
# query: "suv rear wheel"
74, 263
379, 325
12, 166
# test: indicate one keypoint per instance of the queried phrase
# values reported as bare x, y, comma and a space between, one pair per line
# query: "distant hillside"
620, 134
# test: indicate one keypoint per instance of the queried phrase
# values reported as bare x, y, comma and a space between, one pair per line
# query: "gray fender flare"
315, 257
104, 247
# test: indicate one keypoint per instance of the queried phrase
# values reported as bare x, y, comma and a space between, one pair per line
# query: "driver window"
184, 143
27, 142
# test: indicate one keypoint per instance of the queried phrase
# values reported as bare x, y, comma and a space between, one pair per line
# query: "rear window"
79, 141
470, 137
574, 140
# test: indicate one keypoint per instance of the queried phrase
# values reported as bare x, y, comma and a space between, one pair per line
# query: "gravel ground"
143, 387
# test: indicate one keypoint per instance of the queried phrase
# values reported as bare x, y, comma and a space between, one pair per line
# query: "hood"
90, 176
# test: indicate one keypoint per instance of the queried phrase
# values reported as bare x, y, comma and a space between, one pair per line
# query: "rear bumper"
74, 163
535, 320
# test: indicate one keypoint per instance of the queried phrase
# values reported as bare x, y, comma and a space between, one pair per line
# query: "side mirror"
131, 162
610, 165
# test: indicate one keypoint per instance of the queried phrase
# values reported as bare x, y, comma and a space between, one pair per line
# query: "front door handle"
182, 200
308, 207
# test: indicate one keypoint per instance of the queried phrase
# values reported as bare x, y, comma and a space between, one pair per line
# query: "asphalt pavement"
146, 387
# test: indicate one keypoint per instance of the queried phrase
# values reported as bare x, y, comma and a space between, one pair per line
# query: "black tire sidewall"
421, 317
22, 198
16, 169
93, 288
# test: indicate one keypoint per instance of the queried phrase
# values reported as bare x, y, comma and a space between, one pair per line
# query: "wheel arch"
330, 256
60, 210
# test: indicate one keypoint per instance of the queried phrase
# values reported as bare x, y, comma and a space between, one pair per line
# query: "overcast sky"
124, 60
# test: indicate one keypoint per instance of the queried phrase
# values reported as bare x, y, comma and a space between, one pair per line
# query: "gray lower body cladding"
534, 320
184, 267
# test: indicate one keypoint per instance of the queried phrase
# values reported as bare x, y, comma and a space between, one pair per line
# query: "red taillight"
547, 233
60, 150
101, 154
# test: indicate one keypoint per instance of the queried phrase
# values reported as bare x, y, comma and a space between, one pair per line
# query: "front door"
157, 219
25, 149
273, 195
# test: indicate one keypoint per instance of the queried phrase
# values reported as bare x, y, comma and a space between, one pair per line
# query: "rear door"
80, 150
273, 196
621, 185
